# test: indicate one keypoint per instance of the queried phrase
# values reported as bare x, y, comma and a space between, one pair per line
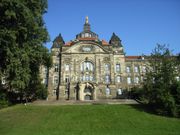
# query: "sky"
140, 24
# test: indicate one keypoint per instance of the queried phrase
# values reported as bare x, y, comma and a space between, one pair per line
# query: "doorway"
88, 91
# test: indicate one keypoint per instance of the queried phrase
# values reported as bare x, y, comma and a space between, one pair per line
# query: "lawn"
84, 120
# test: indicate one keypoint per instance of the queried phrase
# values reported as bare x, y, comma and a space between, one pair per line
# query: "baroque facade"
88, 68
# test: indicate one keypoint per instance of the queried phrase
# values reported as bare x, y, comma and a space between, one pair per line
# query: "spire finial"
87, 21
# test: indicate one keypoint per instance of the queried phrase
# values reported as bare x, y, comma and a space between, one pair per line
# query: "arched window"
118, 79
87, 69
86, 34
108, 91
87, 66
67, 67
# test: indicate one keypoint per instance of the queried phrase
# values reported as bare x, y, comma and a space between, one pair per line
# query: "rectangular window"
118, 79
56, 67
67, 79
144, 69
54, 92
91, 78
81, 78
119, 91
84, 78
45, 81
177, 78
142, 79
87, 78
128, 69
118, 68
107, 67
136, 69
56, 80
67, 67
129, 80
45, 69
3, 80
107, 79
136, 80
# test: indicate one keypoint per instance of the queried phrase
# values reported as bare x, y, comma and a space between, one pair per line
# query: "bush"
3, 100
41, 92
139, 94
165, 105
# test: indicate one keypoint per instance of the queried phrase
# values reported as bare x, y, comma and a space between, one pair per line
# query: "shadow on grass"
152, 109
144, 108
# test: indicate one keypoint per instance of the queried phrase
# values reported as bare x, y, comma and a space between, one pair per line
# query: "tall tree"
22, 35
160, 77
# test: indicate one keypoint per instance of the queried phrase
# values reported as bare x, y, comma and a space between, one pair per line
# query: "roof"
133, 57
87, 38
55, 45
104, 42
68, 43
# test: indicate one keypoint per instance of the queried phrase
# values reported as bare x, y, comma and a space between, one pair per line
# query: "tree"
159, 86
22, 35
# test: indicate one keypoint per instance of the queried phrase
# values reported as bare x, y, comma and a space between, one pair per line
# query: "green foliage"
22, 35
139, 94
160, 89
3, 99
41, 91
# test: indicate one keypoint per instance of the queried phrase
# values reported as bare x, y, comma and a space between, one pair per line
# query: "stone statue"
87, 20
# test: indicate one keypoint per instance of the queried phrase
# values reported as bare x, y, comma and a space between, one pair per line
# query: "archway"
87, 97
88, 91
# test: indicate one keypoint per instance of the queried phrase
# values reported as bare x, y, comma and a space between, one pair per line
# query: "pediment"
86, 48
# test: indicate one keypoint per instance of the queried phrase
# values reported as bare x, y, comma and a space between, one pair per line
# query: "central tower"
87, 33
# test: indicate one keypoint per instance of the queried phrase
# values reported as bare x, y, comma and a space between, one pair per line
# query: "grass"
84, 120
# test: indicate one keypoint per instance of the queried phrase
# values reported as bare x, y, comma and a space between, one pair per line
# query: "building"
88, 68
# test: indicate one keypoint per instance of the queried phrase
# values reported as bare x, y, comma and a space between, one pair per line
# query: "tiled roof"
133, 57
68, 43
104, 42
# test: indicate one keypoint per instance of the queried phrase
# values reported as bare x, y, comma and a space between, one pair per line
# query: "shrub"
41, 92
3, 100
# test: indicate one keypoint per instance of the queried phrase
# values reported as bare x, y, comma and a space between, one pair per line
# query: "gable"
86, 47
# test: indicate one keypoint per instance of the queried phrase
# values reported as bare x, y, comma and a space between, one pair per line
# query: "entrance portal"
87, 97
88, 91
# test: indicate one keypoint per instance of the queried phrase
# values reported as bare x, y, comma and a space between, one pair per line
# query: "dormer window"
86, 34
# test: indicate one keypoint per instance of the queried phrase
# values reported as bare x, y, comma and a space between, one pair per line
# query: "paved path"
93, 102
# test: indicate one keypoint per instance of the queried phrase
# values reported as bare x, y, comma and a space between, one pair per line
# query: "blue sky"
140, 24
